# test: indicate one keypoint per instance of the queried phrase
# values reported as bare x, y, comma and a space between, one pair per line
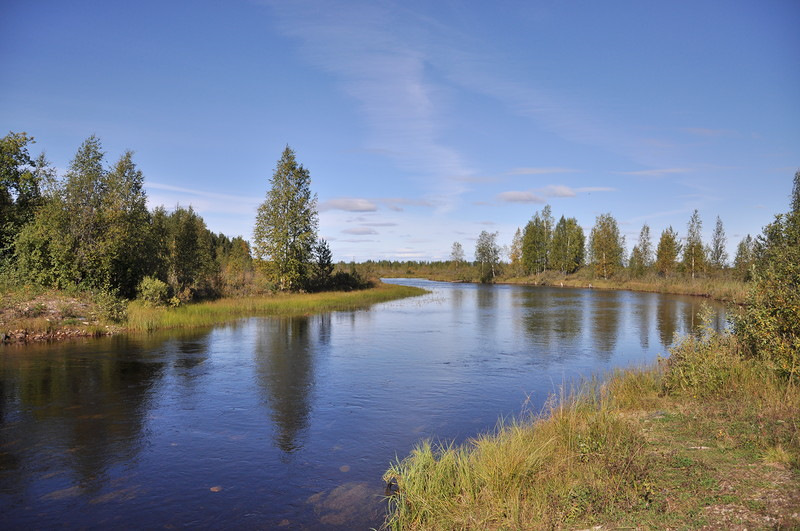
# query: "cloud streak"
540, 195
348, 204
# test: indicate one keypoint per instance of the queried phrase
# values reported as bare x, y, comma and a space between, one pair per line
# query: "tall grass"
585, 459
141, 317
580, 457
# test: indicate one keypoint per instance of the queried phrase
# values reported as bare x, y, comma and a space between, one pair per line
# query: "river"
289, 423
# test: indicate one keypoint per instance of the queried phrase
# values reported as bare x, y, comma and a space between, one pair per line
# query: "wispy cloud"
516, 196
360, 231
348, 204
381, 61
655, 172
540, 195
397, 203
202, 193
539, 171
202, 201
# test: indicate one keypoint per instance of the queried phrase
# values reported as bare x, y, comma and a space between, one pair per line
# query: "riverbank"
720, 286
28, 316
705, 439
720, 289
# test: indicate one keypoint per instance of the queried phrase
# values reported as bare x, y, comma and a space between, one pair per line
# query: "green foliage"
21, 181
110, 307
567, 246
536, 242
667, 252
153, 292
770, 325
322, 267
93, 231
642, 254
487, 254
457, 252
717, 255
286, 225
189, 263
694, 254
606, 246
702, 365
745, 258
515, 253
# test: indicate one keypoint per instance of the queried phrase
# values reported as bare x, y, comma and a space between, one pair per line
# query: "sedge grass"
141, 317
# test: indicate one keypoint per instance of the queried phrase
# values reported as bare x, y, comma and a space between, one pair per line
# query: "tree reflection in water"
285, 353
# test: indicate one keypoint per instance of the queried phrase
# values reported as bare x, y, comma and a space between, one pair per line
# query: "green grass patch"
141, 317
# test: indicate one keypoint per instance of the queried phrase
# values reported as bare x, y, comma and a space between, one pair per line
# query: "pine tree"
286, 225
718, 256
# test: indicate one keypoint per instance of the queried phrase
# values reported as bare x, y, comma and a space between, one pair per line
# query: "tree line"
546, 245
91, 229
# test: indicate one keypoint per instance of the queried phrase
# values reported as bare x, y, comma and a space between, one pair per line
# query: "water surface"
290, 423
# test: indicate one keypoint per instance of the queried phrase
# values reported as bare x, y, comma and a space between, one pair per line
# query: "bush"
770, 325
153, 292
110, 307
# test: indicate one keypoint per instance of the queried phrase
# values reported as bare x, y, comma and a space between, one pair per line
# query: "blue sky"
424, 123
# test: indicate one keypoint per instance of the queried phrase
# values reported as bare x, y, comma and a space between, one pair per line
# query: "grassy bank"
706, 438
144, 318
27, 315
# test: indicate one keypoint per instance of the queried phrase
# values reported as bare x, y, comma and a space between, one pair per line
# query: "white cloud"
557, 190
655, 172
539, 171
348, 204
516, 196
360, 231
590, 189
540, 195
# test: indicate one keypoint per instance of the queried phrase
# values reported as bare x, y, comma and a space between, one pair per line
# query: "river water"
290, 423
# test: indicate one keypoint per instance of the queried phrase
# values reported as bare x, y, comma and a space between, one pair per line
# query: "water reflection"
92, 409
285, 352
605, 321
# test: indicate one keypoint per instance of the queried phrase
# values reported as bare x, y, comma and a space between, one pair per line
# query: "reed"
141, 317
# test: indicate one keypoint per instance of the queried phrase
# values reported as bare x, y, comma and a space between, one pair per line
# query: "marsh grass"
673, 445
141, 317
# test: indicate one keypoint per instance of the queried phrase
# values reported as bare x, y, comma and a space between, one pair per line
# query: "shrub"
770, 325
153, 292
110, 307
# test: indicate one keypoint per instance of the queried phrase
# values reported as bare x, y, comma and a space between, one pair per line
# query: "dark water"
290, 423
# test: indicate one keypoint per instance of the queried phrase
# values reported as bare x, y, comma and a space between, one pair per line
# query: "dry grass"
706, 438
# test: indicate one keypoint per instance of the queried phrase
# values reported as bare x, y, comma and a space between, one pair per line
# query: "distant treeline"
546, 246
